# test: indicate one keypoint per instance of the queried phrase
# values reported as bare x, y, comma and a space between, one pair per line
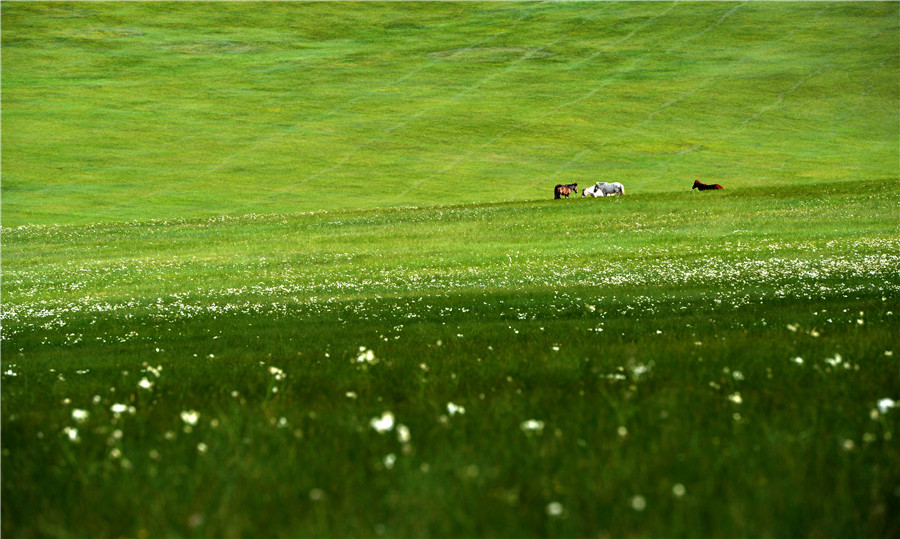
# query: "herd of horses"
605, 189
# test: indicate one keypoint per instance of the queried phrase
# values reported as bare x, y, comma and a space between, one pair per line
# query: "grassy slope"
161, 125
648, 313
464, 247
130, 111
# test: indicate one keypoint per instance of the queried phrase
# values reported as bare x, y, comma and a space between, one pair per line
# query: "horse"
594, 191
565, 190
705, 187
606, 189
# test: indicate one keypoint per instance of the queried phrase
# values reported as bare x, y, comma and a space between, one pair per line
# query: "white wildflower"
885, 404
834, 361
403, 435
119, 409
639, 369
366, 356
384, 423
190, 417
453, 409
554, 509
72, 433
638, 503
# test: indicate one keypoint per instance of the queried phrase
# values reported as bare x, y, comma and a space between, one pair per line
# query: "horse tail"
621, 189
556, 191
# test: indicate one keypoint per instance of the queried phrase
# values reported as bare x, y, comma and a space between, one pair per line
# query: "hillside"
123, 111
296, 270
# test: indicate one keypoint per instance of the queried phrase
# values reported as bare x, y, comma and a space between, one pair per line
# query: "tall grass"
645, 365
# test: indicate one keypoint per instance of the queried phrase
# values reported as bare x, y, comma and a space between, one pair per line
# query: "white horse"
613, 188
593, 191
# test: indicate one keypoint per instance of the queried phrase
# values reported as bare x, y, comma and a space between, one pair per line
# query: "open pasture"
641, 365
145, 111
295, 270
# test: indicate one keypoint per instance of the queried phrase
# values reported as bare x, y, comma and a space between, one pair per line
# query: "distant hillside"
122, 111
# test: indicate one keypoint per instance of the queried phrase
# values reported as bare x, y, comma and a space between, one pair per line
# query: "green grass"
573, 313
147, 110
220, 208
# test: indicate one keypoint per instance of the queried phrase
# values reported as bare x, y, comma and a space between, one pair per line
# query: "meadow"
295, 270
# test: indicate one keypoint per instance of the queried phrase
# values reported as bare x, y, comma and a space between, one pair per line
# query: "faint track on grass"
777, 103
707, 30
581, 154
537, 119
263, 141
587, 95
387, 131
379, 138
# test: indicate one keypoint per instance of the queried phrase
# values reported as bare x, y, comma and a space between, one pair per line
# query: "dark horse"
705, 187
565, 190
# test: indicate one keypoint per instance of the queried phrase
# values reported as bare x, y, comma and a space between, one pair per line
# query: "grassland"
136, 111
294, 270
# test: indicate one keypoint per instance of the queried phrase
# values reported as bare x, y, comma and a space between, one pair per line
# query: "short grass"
239, 238
148, 110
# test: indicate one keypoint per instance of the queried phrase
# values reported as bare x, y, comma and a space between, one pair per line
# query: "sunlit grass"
659, 365
142, 110
290, 269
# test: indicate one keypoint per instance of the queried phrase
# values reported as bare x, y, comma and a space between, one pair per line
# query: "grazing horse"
606, 189
593, 191
705, 187
565, 190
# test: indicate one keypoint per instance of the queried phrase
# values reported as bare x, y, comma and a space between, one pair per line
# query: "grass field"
295, 270
136, 111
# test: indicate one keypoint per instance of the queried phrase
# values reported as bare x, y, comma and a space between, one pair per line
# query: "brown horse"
565, 190
705, 187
